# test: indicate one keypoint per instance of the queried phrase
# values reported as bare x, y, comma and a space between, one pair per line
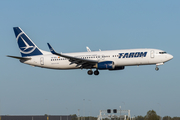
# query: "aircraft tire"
156, 68
90, 72
96, 72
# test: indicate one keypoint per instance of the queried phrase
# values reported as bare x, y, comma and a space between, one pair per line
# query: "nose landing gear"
156, 68
158, 65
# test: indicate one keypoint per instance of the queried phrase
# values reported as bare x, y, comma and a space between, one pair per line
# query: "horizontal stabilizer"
20, 58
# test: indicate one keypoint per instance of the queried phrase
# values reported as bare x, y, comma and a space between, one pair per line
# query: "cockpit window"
162, 52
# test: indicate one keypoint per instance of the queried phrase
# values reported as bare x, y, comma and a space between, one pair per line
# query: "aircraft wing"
82, 63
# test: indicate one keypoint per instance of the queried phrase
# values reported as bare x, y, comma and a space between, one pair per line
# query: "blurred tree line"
151, 115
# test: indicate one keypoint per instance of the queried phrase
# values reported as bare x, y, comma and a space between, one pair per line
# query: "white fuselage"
126, 57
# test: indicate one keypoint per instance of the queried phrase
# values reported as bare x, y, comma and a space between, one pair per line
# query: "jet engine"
105, 65
108, 65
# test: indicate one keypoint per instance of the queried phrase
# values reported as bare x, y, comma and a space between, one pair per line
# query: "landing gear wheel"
156, 68
90, 72
96, 72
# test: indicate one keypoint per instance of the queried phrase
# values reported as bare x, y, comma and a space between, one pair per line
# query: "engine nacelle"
105, 65
118, 68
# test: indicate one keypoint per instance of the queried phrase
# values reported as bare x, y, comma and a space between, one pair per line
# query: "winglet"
51, 49
89, 50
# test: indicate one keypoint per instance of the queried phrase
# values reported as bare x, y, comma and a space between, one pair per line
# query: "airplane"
98, 60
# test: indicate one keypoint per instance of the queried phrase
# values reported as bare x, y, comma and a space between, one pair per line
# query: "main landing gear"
90, 72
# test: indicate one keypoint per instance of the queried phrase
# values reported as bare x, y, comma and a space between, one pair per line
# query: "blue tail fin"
26, 45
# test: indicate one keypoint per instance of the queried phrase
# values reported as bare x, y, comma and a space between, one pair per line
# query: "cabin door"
42, 61
152, 53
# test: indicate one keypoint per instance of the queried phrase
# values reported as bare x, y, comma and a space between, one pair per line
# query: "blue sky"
70, 26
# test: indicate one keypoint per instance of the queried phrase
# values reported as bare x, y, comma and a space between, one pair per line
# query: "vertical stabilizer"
26, 45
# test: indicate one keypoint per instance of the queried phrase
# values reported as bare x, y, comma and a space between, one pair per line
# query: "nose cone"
170, 56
